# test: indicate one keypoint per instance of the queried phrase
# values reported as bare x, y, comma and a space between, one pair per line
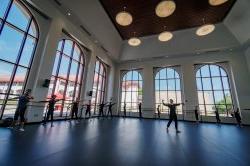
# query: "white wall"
238, 70
50, 35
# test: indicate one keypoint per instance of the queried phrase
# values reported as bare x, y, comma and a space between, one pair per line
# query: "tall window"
99, 84
67, 75
167, 86
213, 90
131, 90
18, 40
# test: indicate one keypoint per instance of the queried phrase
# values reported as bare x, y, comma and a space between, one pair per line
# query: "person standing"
159, 111
140, 111
217, 116
173, 115
238, 117
124, 110
196, 112
51, 109
22, 105
101, 109
74, 108
88, 109
110, 104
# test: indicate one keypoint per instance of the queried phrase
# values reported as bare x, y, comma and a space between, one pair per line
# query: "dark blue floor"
125, 142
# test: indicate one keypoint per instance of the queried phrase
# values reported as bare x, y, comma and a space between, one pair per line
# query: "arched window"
18, 40
213, 90
99, 84
131, 90
168, 86
67, 75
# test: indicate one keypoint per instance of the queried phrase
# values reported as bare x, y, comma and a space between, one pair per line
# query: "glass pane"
3, 7
157, 76
163, 84
77, 52
198, 84
73, 71
19, 80
163, 74
5, 75
10, 42
70, 91
157, 86
56, 64
68, 45
77, 93
219, 97
129, 75
177, 75
208, 97
223, 72
140, 85
60, 88
51, 85
97, 65
172, 95
27, 51
200, 97
135, 75
80, 74
178, 84
101, 69
217, 83
225, 83
140, 78
205, 71
170, 73
171, 84
64, 67
33, 29
228, 97
59, 48
198, 73
18, 16
10, 107
215, 71
206, 84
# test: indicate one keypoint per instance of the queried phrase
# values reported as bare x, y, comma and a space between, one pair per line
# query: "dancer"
196, 112
51, 108
101, 109
23, 101
159, 111
140, 111
173, 115
217, 116
110, 104
88, 109
238, 117
74, 108
124, 110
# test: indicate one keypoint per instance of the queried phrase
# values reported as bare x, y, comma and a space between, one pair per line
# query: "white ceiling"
233, 32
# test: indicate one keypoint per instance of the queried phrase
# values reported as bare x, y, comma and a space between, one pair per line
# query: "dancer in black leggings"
88, 109
217, 116
196, 113
101, 109
140, 111
74, 109
23, 101
159, 111
125, 110
238, 117
173, 115
110, 104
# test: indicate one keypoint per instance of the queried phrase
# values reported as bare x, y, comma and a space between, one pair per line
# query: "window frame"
26, 35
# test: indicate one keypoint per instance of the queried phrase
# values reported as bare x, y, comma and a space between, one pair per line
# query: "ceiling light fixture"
165, 8
69, 14
124, 18
134, 41
165, 35
205, 29
217, 2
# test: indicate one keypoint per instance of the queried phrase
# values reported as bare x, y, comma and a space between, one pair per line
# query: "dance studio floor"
119, 141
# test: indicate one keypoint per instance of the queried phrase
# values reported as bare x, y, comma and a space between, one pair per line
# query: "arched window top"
211, 71
14, 13
100, 68
167, 73
132, 75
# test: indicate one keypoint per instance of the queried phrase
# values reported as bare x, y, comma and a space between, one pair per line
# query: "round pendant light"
134, 41
165, 8
205, 29
165, 36
217, 2
124, 18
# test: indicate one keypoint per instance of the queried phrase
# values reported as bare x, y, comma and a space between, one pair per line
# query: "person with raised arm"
51, 108
22, 105
88, 109
101, 109
238, 117
217, 116
74, 108
110, 104
173, 115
